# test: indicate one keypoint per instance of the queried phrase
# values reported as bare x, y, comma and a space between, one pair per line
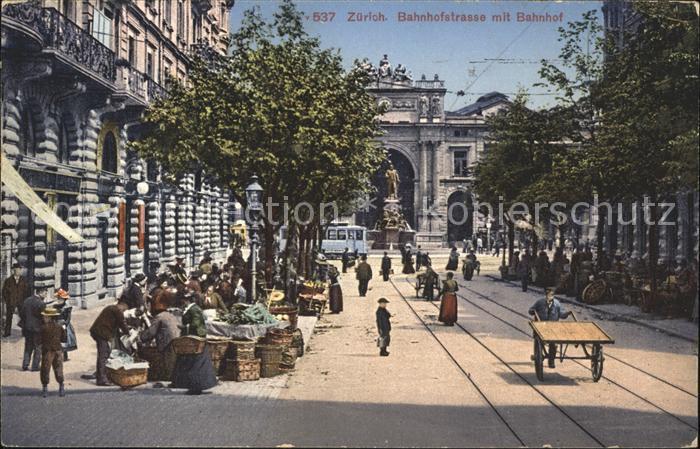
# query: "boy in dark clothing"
386, 266
383, 327
52, 334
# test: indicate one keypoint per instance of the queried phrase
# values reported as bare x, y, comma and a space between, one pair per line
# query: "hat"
139, 278
179, 257
50, 311
383, 301
60, 293
16, 265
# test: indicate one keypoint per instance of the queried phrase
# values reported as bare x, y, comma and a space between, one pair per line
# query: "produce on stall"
126, 371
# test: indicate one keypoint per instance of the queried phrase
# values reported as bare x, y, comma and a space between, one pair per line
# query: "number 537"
323, 16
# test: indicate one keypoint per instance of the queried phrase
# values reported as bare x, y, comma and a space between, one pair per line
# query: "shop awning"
14, 182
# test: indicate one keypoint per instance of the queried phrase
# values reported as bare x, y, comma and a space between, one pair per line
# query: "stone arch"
68, 141
109, 148
460, 215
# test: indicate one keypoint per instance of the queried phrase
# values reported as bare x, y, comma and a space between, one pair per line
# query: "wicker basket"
280, 337
298, 342
217, 347
269, 354
128, 378
291, 311
289, 358
243, 350
189, 345
242, 370
269, 370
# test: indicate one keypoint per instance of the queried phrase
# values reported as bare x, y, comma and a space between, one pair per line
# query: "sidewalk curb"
617, 317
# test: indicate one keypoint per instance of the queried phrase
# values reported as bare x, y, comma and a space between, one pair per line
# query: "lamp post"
253, 195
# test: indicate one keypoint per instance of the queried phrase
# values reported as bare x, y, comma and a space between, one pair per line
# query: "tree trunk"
301, 261
511, 241
269, 233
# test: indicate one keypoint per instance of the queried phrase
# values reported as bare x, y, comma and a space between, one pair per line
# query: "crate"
242, 370
128, 378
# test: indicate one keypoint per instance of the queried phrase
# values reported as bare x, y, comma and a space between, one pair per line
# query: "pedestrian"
164, 329
345, 260
426, 259
469, 265
408, 263
448, 300
524, 270
479, 245
14, 291
549, 309
65, 310
465, 245
431, 281
335, 294
103, 331
193, 371
132, 295
363, 275
52, 335
419, 258
30, 322
453, 259
383, 327
386, 266
213, 301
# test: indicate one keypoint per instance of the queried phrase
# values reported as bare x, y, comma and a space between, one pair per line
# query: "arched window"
27, 143
109, 153
63, 143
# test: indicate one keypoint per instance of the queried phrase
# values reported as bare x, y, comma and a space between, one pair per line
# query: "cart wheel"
539, 360
597, 362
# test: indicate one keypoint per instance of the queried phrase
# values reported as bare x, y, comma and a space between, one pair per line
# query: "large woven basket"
128, 378
298, 342
289, 358
270, 370
241, 350
242, 370
269, 354
189, 345
281, 337
217, 347
291, 311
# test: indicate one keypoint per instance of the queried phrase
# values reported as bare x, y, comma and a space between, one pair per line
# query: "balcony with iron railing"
138, 85
58, 34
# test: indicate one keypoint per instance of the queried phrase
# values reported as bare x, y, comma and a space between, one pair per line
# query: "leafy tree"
280, 107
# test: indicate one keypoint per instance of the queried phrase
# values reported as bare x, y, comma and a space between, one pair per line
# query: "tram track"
587, 432
607, 354
518, 329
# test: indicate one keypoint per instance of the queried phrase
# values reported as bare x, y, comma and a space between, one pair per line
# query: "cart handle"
537, 317
573, 315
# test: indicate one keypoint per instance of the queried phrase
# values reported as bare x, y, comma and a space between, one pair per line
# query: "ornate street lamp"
488, 233
253, 195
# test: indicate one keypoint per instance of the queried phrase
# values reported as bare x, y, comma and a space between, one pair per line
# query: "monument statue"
423, 106
392, 182
384, 67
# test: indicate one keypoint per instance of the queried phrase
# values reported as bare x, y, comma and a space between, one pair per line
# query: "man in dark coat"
132, 295
102, 331
549, 309
524, 269
419, 258
364, 274
14, 291
30, 322
386, 266
383, 327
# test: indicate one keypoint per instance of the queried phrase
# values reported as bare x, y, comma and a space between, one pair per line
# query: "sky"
461, 53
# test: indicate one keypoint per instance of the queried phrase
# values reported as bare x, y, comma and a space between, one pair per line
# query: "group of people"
45, 320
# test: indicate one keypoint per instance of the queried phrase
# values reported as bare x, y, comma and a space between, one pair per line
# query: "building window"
152, 171
132, 51
109, 153
27, 144
102, 27
167, 6
181, 19
198, 181
68, 9
461, 163
149, 64
63, 142
122, 228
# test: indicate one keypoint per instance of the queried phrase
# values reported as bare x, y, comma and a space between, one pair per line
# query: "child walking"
52, 334
383, 327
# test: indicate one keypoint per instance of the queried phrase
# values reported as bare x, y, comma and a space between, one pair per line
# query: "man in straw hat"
52, 334
383, 327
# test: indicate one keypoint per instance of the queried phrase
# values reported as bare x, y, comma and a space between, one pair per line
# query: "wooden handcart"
420, 283
587, 334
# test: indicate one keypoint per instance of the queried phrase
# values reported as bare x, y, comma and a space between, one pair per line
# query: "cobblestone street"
440, 386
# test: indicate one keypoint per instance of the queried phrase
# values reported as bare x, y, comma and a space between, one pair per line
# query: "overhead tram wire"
505, 49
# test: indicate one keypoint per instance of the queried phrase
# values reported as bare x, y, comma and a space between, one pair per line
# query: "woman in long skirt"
194, 371
448, 303
336, 293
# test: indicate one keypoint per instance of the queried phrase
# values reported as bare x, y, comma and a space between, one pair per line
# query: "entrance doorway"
460, 217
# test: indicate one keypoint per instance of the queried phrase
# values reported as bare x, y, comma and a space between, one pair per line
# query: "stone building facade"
434, 151
76, 78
